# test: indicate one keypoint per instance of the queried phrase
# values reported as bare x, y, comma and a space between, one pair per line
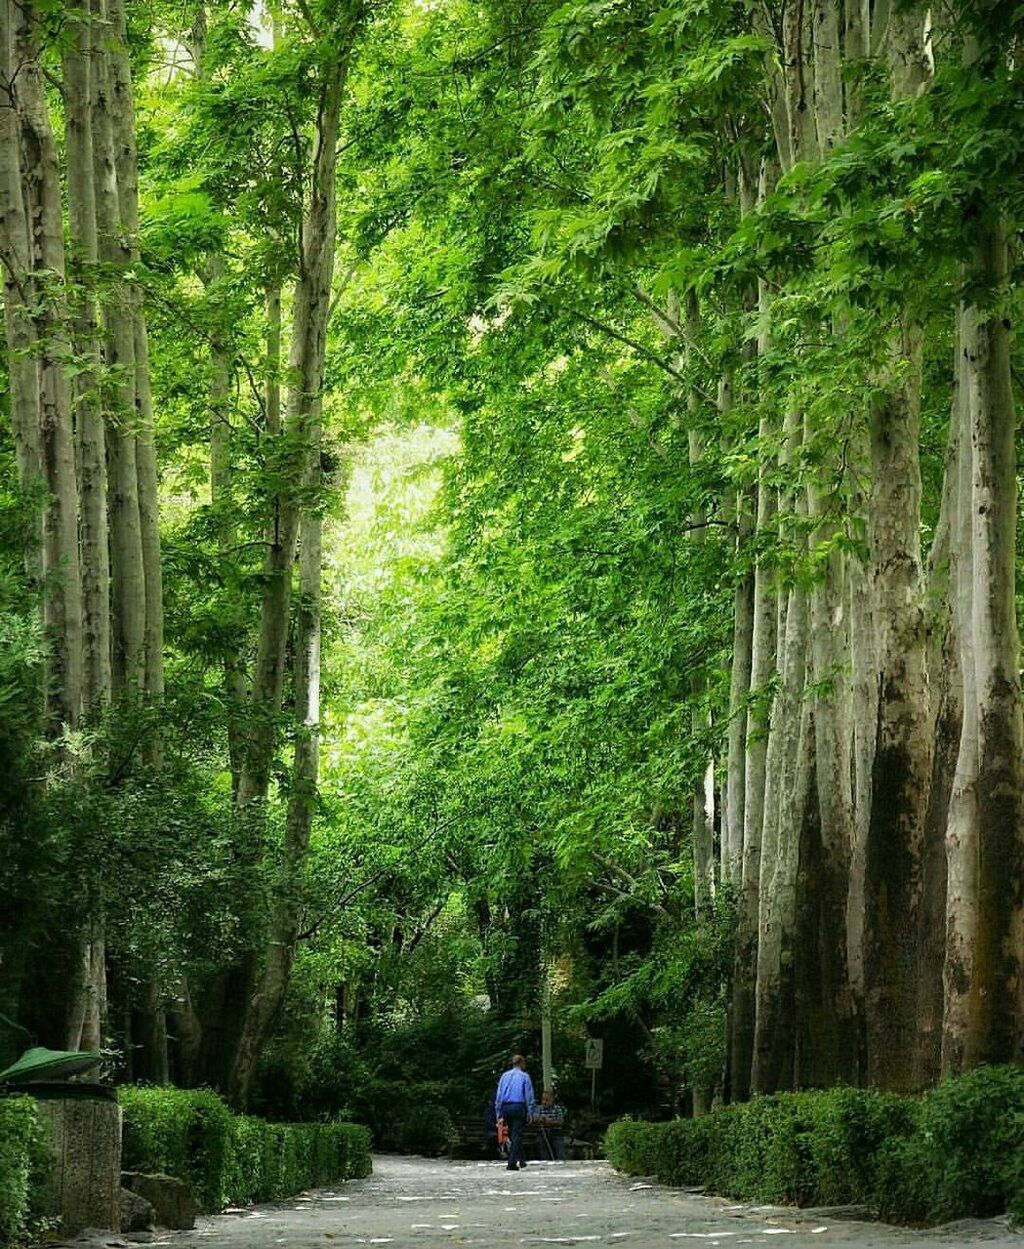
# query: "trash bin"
84, 1123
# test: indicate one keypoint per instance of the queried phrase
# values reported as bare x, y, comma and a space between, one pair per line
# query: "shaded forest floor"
429, 1204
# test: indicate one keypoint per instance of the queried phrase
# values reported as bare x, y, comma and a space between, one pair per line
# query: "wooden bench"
468, 1139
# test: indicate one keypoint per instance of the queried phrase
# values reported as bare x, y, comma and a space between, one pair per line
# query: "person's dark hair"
518, 1060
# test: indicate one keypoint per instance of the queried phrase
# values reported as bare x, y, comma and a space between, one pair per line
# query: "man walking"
514, 1102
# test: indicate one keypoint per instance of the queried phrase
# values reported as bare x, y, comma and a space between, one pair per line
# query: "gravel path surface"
426, 1204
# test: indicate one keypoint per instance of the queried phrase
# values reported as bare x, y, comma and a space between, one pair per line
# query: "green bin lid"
43, 1064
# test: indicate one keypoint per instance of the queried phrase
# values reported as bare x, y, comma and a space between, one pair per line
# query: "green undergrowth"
23, 1169
954, 1152
230, 1159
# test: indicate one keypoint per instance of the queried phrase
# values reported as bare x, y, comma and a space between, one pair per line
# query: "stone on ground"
170, 1198
137, 1214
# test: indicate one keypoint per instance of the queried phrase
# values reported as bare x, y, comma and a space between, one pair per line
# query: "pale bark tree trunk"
94, 1022
127, 564
702, 800
739, 693
863, 673
945, 726
902, 764
90, 437
311, 307
984, 974
902, 758
829, 1054
788, 777
62, 601
222, 502
190, 1039
273, 982
273, 382
961, 829
763, 668
222, 449
22, 364
122, 115
788, 771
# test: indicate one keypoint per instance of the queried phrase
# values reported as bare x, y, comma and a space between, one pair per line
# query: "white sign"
594, 1059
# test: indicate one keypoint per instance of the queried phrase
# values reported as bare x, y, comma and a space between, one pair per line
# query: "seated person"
550, 1118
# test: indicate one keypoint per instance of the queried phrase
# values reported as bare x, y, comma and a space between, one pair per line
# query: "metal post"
545, 1030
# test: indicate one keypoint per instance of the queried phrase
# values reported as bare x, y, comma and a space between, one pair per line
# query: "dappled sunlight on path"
426, 1204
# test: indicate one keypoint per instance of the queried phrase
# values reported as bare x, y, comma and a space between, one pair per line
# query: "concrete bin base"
85, 1136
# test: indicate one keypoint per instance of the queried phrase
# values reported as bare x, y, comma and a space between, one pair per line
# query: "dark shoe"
522, 1166
510, 1167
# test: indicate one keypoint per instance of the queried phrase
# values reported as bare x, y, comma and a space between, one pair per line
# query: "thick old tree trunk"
902, 761
984, 975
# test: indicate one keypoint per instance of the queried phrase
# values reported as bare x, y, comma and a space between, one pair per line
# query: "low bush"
230, 1159
24, 1163
954, 1152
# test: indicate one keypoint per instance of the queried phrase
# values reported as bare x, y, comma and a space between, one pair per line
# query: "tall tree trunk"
763, 668
122, 114
127, 562
703, 797
946, 723
739, 692
311, 308
863, 673
788, 772
273, 983
828, 1052
702, 800
984, 976
90, 436
893, 935
62, 601
903, 747
22, 362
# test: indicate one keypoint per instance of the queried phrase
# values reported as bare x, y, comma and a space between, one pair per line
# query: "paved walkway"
425, 1204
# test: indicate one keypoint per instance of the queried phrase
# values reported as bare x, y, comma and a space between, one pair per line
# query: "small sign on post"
593, 1060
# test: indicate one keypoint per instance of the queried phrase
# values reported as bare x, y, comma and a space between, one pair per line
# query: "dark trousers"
554, 1143
514, 1114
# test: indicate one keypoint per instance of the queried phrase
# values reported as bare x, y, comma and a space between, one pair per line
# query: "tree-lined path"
429, 1204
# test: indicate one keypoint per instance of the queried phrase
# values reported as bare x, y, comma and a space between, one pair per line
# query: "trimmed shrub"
955, 1152
24, 1164
229, 1159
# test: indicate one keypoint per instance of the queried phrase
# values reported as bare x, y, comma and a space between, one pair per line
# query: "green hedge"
23, 1166
230, 1159
956, 1151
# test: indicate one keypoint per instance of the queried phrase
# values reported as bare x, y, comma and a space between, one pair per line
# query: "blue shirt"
515, 1086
